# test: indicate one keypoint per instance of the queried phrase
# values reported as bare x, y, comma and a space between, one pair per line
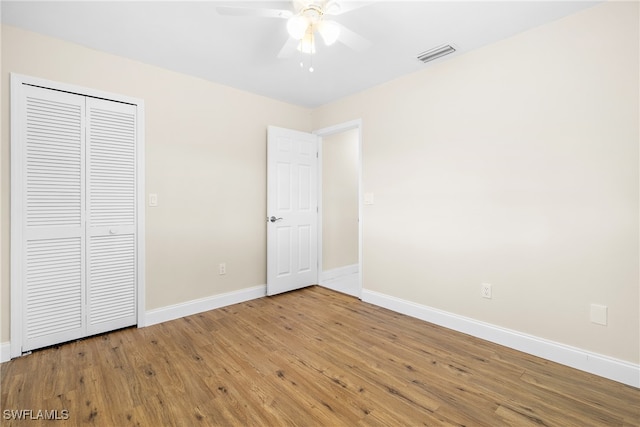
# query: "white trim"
15, 271
5, 352
196, 306
327, 131
342, 279
339, 272
141, 219
17, 82
604, 366
320, 217
79, 90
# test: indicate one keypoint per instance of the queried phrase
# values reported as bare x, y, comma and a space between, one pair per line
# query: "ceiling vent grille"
436, 53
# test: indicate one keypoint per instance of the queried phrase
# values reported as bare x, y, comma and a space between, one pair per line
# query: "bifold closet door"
79, 216
53, 205
111, 215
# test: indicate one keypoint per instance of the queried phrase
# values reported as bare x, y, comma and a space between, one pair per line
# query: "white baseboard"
342, 279
604, 366
188, 308
177, 311
335, 273
5, 352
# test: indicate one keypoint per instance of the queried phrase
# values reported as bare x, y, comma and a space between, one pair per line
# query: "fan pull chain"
313, 43
310, 62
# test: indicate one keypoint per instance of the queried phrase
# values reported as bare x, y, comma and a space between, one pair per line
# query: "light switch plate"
368, 198
153, 199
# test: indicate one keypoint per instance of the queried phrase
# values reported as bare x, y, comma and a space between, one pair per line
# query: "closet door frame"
18, 81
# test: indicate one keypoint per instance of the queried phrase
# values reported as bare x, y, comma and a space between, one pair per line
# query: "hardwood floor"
312, 357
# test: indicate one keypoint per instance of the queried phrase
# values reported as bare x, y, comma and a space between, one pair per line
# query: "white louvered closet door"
53, 202
79, 264
111, 218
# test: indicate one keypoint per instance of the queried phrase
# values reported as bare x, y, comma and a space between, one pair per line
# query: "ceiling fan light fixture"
297, 26
307, 43
330, 31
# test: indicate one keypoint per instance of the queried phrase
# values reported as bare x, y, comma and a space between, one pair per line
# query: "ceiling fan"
304, 20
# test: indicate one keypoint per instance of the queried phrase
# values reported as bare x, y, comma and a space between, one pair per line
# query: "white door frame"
328, 131
17, 82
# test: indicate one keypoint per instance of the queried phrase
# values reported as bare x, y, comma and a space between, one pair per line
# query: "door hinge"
317, 156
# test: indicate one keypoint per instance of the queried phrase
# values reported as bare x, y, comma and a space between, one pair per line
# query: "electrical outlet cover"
485, 290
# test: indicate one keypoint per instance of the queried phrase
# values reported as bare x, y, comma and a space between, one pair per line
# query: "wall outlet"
485, 290
222, 268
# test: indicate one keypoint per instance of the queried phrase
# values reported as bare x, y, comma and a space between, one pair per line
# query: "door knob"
274, 219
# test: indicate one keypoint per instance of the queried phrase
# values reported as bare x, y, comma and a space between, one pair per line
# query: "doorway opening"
340, 207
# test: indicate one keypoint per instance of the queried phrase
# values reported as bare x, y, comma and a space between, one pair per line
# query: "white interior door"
292, 209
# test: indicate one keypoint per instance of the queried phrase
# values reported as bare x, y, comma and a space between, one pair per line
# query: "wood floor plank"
313, 357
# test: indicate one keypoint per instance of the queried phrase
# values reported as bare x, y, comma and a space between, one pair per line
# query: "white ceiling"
192, 38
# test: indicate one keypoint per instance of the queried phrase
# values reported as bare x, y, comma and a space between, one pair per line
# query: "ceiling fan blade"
336, 7
250, 11
352, 39
288, 49
298, 5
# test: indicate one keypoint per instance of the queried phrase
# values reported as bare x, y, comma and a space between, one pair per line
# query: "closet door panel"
111, 222
54, 291
53, 283
112, 292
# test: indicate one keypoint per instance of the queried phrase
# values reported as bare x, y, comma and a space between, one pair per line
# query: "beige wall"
517, 165
205, 158
340, 199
